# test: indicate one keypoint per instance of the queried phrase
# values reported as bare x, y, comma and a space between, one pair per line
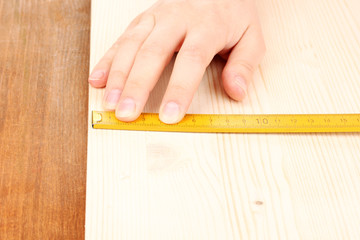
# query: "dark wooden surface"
44, 53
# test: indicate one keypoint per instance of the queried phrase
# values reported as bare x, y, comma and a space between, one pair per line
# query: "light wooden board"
146, 185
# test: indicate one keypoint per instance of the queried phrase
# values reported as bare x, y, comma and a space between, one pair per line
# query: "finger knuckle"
118, 74
144, 25
137, 86
152, 49
179, 88
246, 65
194, 53
106, 61
117, 43
132, 36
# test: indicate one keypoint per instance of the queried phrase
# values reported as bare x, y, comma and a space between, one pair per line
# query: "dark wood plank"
43, 85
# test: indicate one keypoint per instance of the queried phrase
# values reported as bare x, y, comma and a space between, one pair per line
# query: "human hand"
197, 30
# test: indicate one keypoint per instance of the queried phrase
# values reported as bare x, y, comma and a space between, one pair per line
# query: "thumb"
242, 62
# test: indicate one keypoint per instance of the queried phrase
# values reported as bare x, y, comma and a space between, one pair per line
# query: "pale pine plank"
144, 185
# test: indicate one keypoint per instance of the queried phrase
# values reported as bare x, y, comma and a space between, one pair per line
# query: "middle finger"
150, 61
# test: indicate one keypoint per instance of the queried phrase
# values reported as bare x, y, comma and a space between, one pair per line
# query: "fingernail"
126, 108
170, 113
241, 83
112, 98
97, 75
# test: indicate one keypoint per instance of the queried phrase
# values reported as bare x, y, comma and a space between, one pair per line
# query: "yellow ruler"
229, 123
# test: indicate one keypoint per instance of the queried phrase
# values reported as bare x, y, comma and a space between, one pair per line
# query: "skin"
197, 30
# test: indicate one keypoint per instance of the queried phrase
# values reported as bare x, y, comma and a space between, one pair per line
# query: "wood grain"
146, 185
43, 111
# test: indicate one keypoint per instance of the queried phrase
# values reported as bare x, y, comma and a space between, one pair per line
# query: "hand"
197, 30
